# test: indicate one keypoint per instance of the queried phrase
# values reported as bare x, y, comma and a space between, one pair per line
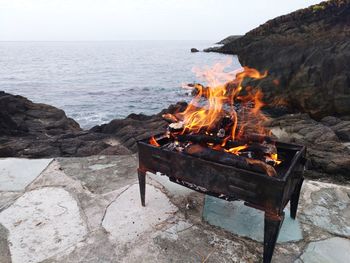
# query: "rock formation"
36, 130
228, 39
138, 126
328, 147
307, 55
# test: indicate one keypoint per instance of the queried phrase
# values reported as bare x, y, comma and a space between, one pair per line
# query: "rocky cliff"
307, 55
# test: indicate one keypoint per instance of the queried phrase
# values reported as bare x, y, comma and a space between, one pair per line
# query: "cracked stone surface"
42, 223
193, 244
88, 210
5, 255
132, 218
173, 190
102, 174
95, 248
246, 221
7, 198
326, 206
332, 250
17, 173
92, 205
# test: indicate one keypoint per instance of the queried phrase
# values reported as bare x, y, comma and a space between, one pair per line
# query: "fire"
274, 157
224, 116
154, 142
224, 92
237, 149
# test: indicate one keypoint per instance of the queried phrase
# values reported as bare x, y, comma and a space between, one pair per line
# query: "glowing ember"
237, 149
154, 142
274, 157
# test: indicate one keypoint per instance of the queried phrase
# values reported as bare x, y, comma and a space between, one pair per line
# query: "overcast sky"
66, 20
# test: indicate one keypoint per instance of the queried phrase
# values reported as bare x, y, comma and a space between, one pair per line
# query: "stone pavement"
88, 210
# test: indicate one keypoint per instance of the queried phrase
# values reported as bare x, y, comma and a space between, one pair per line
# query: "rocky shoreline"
34, 130
305, 53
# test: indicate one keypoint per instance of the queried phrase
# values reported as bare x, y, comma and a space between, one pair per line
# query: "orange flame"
237, 149
154, 142
225, 88
274, 157
226, 109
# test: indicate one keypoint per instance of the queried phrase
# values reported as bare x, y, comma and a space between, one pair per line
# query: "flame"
226, 108
274, 157
154, 142
225, 88
237, 149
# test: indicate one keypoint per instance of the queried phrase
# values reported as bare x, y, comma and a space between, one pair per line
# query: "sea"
95, 82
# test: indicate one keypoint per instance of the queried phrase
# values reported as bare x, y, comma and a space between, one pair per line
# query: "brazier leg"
294, 200
271, 230
142, 184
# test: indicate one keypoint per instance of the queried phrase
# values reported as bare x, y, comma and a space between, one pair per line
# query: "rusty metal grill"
257, 190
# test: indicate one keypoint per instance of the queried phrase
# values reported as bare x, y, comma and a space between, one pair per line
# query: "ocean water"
95, 82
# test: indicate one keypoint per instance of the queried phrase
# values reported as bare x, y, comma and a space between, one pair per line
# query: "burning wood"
255, 157
217, 124
230, 159
176, 127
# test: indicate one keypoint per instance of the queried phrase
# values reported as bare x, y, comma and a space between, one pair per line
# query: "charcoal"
203, 139
226, 122
230, 159
257, 138
169, 146
262, 149
264, 166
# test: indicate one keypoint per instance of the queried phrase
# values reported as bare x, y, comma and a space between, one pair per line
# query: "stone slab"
17, 173
88, 210
7, 198
197, 244
96, 248
332, 250
5, 255
101, 174
133, 219
172, 188
326, 206
42, 223
246, 221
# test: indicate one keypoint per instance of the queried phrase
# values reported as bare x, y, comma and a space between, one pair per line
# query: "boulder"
306, 54
194, 50
328, 156
340, 127
21, 116
36, 130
